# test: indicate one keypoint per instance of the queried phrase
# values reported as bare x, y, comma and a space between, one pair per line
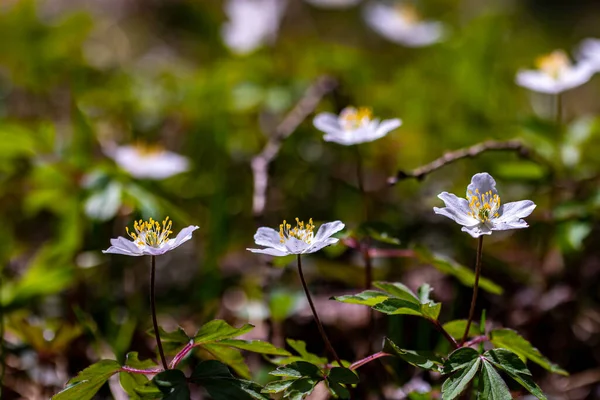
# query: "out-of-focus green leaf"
172, 341
282, 304
104, 204
85, 385
520, 170
511, 340
255, 346
462, 273
510, 363
366, 298
456, 328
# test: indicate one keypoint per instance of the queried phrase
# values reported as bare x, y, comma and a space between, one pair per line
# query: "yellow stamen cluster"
408, 13
301, 231
146, 149
151, 233
353, 118
484, 206
554, 63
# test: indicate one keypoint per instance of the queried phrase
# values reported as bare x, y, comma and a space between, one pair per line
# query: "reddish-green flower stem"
153, 307
368, 359
314, 312
152, 371
441, 329
475, 288
476, 340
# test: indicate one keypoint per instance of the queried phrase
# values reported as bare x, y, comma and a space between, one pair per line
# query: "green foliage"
450, 267
511, 340
457, 328
421, 359
173, 385
135, 384
300, 378
396, 299
85, 385
221, 385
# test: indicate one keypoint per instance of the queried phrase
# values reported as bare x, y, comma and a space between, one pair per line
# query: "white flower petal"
148, 165
328, 123
118, 250
589, 51
183, 236
505, 226
270, 251
296, 246
477, 230
483, 182
456, 209
387, 126
124, 246
268, 237
515, 210
328, 229
319, 245
541, 82
338, 4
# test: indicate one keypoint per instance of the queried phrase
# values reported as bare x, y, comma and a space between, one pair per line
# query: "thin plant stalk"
364, 247
154, 322
475, 288
314, 312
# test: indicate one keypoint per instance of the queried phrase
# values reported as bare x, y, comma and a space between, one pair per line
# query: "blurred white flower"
333, 3
353, 126
481, 213
149, 239
589, 52
299, 240
401, 24
555, 74
251, 23
148, 161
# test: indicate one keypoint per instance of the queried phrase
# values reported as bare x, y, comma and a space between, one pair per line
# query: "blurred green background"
75, 75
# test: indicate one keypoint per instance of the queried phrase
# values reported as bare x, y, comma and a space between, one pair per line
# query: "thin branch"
475, 288
468, 152
182, 353
163, 360
368, 359
151, 371
444, 332
476, 340
260, 163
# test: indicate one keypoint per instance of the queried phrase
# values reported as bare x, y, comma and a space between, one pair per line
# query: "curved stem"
475, 288
314, 311
476, 340
153, 307
448, 337
368, 359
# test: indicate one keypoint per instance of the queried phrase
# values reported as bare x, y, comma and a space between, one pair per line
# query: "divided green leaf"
494, 387
133, 384
511, 340
215, 377
422, 359
510, 363
172, 383
85, 385
458, 382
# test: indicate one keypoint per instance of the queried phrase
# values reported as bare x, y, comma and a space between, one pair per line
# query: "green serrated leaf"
342, 375
219, 330
299, 369
422, 359
511, 340
278, 386
173, 383
457, 383
398, 290
228, 356
456, 328
171, 341
300, 347
338, 390
256, 346
431, 310
494, 387
395, 306
460, 359
215, 377
301, 388
366, 298
510, 363
85, 385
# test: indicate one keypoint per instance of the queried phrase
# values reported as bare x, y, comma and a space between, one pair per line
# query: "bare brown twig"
260, 163
468, 152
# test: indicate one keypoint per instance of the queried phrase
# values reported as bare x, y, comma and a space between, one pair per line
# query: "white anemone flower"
338, 4
353, 126
148, 161
481, 212
150, 239
589, 52
401, 24
298, 240
555, 74
251, 23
